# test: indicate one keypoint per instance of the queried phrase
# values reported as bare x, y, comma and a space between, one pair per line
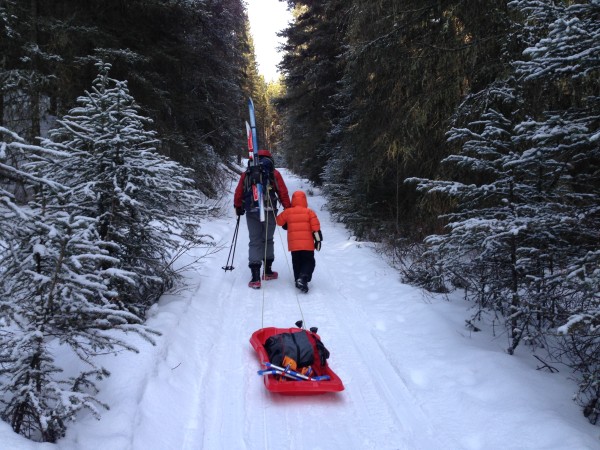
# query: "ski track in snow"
386, 400
198, 388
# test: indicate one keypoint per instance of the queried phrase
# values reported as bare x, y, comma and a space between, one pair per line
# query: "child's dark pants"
304, 263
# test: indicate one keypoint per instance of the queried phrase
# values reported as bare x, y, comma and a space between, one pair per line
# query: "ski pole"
293, 377
278, 372
296, 374
228, 266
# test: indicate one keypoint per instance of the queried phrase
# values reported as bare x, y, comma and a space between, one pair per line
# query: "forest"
461, 136
464, 137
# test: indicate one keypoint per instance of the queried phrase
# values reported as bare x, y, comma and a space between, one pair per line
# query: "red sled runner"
297, 364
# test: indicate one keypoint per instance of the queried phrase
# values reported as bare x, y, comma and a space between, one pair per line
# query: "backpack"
263, 173
303, 348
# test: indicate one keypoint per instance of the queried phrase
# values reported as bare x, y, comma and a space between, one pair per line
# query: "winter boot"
269, 274
302, 284
255, 281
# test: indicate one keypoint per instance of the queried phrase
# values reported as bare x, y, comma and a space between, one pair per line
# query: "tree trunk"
34, 93
2, 109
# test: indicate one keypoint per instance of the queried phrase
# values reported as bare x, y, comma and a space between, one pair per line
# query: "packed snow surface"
415, 377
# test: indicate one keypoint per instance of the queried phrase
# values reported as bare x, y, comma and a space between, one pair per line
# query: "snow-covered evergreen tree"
523, 238
54, 292
492, 243
570, 48
568, 59
115, 174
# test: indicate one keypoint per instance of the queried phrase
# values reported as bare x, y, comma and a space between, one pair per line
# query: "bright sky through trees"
267, 17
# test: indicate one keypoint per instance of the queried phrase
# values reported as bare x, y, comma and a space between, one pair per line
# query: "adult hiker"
304, 237
260, 247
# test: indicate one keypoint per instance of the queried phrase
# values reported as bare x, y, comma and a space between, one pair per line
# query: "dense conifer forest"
462, 136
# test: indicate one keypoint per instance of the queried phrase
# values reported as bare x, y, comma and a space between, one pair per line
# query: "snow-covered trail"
414, 377
239, 413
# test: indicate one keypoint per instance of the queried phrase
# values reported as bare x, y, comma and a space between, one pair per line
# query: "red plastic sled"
286, 386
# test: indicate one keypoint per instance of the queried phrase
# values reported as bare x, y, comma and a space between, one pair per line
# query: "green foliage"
184, 62
371, 90
312, 68
523, 235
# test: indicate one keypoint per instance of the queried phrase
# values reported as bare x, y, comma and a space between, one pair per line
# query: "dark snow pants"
304, 263
260, 234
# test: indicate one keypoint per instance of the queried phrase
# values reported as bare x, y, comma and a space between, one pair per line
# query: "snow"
415, 377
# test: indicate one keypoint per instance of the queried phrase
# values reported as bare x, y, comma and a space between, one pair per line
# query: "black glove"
284, 226
318, 238
239, 210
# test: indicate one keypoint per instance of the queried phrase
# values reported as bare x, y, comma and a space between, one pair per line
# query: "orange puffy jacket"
301, 223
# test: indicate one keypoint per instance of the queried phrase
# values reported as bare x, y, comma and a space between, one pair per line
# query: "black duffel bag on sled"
298, 350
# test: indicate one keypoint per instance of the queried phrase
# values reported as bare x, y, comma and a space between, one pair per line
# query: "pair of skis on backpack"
257, 188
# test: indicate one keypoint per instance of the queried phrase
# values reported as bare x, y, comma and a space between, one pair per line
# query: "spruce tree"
140, 198
312, 66
523, 234
54, 294
184, 62
406, 67
488, 239
565, 60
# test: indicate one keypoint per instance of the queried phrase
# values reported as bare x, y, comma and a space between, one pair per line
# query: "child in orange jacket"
304, 236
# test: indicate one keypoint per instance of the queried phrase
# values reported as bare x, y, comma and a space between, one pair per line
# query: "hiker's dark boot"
302, 284
255, 281
269, 274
